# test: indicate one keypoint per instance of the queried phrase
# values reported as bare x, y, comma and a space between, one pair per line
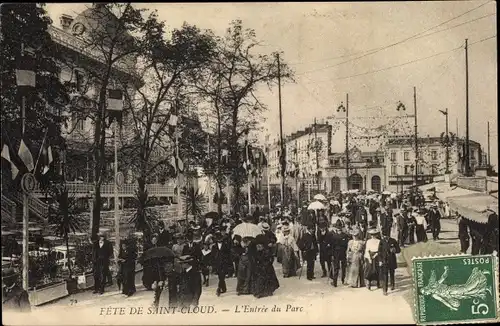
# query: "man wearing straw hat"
338, 242
14, 297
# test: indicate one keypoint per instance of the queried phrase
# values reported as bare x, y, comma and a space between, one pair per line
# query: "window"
433, 169
394, 169
393, 156
434, 155
407, 169
368, 160
406, 156
336, 162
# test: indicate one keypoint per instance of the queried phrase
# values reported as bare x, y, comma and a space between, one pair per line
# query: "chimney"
66, 21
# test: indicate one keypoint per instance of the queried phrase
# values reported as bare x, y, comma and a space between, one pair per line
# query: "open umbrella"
158, 252
386, 192
315, 205
247, 230
212, 215
319, 197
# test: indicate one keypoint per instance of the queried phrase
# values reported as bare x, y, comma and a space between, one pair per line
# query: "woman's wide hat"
285, 228
355, 231
373, 231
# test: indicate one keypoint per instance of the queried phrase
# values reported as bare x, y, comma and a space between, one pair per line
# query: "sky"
330, 48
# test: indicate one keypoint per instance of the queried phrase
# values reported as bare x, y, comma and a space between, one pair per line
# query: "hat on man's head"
195, 227
265, 226
261, 239
338, 225
237, 237
217, 235
161, 224
285, 228
373, 231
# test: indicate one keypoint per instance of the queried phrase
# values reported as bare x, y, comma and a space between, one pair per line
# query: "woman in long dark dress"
371, 266
264, 280
127, 257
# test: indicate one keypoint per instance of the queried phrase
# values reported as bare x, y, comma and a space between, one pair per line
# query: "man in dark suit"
309, 247
325, 257
193, 249
190, 286
435, 221
103, 252
221, 260
387, 250
385, 221
14, 297
338, 243
164, 237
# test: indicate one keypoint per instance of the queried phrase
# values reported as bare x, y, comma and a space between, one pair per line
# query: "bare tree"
230, 87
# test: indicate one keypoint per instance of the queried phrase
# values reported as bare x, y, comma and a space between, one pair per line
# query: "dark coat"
387, 250
190, 286
338, 243
16, 300
309, 245
165, 239
193, 250
103, 254
221, 258
434, 217
324, 244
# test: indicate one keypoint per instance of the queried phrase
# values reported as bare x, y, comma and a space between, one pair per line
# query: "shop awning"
476, 207
445, 194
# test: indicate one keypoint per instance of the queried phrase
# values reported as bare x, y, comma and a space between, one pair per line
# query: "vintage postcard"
249, 163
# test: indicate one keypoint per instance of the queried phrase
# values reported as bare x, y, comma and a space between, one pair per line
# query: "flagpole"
117, 216
268, 186
249, 178
209, 178
41, 148
179, 202
228, 195
25, 210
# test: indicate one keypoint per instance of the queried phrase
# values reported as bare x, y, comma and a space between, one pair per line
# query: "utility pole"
446, 142
489, 162
282, 145
116, 213
316, 151
467, 156
345, 109
416, 134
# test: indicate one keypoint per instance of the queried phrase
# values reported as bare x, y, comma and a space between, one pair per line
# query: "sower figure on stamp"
189, 282
309, 246
387, 250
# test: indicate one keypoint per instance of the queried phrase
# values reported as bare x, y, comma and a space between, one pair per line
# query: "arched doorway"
355, 182
376, 184
335, 184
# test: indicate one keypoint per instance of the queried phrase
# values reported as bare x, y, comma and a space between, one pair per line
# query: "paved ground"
319, 301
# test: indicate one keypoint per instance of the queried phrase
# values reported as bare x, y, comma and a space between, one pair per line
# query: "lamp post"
447, 142
345, 109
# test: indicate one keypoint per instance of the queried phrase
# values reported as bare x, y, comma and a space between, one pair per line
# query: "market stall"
476, 207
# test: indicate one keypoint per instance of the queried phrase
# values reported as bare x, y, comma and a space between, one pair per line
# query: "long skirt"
290, 262
279, 253
371, 270
355, 275
244, 275
421, 233
128, 278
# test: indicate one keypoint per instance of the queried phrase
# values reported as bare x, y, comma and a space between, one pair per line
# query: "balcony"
83, 190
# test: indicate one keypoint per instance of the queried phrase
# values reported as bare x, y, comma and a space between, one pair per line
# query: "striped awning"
476, 207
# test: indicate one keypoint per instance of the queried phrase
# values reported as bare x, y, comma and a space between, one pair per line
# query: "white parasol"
247, 230
320, 197
386, 192
315, 205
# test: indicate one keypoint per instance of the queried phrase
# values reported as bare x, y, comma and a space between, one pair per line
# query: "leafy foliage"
83, 257
145, 217
194, 201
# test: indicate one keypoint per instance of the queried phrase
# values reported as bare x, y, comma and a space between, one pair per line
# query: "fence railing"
484, 184
85, 189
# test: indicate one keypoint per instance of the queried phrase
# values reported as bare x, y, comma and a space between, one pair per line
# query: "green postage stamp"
455, 289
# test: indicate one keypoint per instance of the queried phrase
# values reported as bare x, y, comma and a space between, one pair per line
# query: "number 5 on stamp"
455, 289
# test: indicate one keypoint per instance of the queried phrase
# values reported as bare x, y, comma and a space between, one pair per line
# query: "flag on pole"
225, 156
115, 105
26, 156
26, 69
177, 164
172, 120
47, 157
6, 156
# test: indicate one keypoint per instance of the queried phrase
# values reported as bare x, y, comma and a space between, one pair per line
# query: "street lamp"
345, 109
446, 142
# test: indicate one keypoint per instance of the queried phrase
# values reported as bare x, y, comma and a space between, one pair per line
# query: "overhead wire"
395, 43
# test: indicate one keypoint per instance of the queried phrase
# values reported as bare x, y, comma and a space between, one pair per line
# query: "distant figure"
435, 221
14, 297
463, 234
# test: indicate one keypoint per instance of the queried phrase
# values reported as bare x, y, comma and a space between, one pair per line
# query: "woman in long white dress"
355, 249
290, 261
